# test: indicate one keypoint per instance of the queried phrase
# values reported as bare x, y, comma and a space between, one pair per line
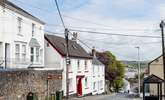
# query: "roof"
153, 79
95, 61
34, 43
22, 12
75, 50
155, 59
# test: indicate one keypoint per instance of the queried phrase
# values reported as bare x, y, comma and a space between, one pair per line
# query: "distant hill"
134, 64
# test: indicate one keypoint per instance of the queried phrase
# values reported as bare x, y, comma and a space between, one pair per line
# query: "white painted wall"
53, 59
9, 34
98, 77
74, 71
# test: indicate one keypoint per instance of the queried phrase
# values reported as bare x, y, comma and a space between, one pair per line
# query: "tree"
114, 70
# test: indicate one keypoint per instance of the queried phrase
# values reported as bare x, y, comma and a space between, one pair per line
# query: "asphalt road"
118, 97
109, 97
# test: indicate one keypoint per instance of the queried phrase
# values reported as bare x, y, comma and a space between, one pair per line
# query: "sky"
132, 17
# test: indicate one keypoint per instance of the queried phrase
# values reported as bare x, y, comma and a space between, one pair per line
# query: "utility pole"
67, 62
138, 71
163, 52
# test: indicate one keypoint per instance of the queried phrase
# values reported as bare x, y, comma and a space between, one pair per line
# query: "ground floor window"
86, 82
70, 84
94, 85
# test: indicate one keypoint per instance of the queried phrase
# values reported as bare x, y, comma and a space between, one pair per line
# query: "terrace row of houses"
23, 45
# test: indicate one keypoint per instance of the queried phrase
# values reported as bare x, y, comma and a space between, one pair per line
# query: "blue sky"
139, 17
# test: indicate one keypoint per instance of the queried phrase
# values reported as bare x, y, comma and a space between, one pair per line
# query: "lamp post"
138, 48
163, 52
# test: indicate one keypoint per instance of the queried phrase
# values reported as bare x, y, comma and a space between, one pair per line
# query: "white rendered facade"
21, 40
79, 68
98, 79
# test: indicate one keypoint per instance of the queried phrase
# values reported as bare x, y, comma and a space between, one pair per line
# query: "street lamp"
138, 48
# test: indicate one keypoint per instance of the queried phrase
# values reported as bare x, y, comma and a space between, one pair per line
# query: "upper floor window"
33, 29
86, 66
17, 52
19, 25
78, 64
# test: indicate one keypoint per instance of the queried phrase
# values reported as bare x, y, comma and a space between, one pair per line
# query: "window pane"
19, 25
37, 54
33, 29
32, 50
78, 64
17, 48
23, 57
24, 49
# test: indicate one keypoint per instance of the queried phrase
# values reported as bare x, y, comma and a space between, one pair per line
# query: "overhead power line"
78, 19
115, 34
58, 9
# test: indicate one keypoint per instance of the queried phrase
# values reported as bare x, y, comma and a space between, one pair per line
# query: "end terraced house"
80, 64
21, 38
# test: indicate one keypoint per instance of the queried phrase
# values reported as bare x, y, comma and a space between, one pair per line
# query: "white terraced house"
21, 38
80, 69
98, 75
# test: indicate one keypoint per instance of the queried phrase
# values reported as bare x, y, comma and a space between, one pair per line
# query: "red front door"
79, 86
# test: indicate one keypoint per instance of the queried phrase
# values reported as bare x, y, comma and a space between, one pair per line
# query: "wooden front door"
79, 86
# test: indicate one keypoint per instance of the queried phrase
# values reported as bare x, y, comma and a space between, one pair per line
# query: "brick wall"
16, 84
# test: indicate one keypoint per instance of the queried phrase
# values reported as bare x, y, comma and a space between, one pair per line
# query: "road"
109, 97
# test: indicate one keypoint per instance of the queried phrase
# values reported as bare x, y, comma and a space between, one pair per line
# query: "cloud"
134, 17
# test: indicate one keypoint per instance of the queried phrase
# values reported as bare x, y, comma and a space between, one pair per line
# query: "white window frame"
78, 64
17, 52
32, 55
24, 52
37, 54
19, 21
33, 29
86, 82
70, 84
86, 64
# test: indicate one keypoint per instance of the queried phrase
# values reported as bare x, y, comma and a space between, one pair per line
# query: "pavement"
119, 96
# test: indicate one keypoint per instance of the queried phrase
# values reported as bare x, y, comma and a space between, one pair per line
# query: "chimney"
75, 36
94, 52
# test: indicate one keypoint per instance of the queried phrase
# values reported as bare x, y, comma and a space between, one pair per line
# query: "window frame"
20, 25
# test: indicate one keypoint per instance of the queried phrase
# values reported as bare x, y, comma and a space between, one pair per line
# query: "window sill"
87, 88
71, 91
78, 71
20, 35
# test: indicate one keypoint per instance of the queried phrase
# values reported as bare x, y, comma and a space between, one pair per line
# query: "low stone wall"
16, 84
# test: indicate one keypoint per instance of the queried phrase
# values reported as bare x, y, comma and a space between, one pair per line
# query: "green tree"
114, 70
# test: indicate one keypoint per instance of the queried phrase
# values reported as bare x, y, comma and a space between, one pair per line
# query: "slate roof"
75, 50
153, 79
95, 61
20, 11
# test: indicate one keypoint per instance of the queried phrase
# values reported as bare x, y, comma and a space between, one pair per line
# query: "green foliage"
114, 70
118, 84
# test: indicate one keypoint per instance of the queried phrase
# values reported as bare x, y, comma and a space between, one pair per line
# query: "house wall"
156, 68
73, 72
53, 59
98, 79
9, 34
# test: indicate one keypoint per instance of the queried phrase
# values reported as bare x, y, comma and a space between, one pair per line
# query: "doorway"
79, 86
